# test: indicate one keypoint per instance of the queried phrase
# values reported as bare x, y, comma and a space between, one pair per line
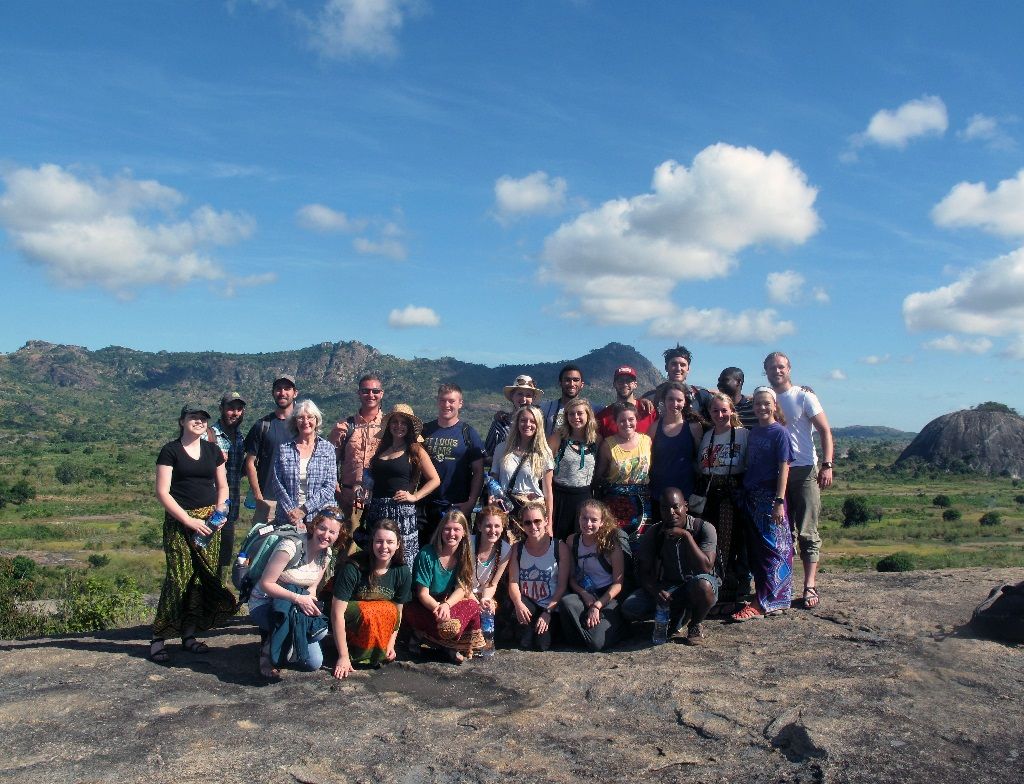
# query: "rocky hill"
882, 683
987, 439
872, 433
56, 387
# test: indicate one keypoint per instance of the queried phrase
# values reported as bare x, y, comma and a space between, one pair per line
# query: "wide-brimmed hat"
403, 409
524, 384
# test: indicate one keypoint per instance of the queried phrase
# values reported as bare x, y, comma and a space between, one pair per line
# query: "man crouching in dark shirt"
675, 563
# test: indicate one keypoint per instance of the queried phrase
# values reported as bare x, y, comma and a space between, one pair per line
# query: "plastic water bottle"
495, 490
487, 627
217, 519
661, 621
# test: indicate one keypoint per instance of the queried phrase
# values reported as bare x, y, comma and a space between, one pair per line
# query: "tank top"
574, 469
631, 467
390, 476
672, 461
538, 575
589, 572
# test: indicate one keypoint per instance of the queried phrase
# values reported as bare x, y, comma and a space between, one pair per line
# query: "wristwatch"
827, 464
780, 500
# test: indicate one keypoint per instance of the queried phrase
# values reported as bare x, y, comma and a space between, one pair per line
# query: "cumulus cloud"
987, 300
971, 204
820, 295
1014, 349
836, 375
982, 128
536, 193
957, 345
321, 218
875, 359
413, 316
925, 116
359, 28
387, 247
118, 233
622, 259
784, 288
715, 325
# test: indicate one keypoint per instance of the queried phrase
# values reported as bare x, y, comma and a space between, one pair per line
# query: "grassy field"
95, 500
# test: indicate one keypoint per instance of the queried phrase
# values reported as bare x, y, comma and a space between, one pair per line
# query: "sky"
528, 181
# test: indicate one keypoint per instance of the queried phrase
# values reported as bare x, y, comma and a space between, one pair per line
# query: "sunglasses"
377, 391
332, 514
538, 521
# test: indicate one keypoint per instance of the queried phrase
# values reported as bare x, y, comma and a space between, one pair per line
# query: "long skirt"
631, 506
567, 508
404, 516
722, 512
368, 629
460, 633
772, 556
192, 597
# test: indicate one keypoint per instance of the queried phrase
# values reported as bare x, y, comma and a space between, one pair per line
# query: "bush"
949, 515
1019, 499
941, 501
18, 493
96, 560
16, 621
896, 562
152, 538
855, 511
92, 604
991, 518
69, 473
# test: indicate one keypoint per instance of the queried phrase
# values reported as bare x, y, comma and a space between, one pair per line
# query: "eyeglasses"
377, 391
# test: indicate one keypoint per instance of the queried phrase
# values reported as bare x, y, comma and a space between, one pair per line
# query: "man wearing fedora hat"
261, 445
522, 392
226, 432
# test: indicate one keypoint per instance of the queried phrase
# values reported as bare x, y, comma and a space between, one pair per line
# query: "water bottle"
495, 490
661, 621
487, 628
217, 519
587, 584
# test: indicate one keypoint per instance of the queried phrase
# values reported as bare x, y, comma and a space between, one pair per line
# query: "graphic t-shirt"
453, 458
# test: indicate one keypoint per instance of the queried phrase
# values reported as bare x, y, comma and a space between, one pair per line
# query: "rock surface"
882, 682
990, 442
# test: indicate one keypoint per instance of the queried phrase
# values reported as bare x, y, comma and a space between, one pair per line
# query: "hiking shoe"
695, 634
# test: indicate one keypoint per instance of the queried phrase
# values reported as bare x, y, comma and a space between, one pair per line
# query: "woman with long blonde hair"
523, 463
590, 614
575, 445
443, 613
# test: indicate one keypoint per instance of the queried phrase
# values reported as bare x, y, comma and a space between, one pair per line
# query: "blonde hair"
608, 533
537, 450
779, 416
589, 431
466, 568
721, 397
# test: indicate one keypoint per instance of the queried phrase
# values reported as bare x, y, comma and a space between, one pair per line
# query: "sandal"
158, 652
811, 597
749, 613
455, 657
192, 645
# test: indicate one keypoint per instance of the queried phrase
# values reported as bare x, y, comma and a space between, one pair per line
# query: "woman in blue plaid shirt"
305, 469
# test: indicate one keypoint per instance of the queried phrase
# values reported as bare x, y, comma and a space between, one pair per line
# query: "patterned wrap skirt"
460, 633
772, 552
404, 515
368, 629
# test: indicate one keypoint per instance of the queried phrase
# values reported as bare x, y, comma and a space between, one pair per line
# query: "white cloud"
784, 288
715, 325
623, 258
836, 375
413, 316
875, 359
389, 248
1014, 349
957, 345
118, 233
820, 295
351, 28
987, 300
321, 218
895, 127
536, 193
971, 204
982, 128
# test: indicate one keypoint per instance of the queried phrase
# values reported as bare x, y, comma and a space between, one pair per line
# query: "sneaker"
695, 634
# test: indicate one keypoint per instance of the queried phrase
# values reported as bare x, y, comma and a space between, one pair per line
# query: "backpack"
259, 545
1001, 615
522, 543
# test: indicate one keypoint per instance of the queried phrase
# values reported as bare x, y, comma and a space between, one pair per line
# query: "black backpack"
1001, 615
627, 559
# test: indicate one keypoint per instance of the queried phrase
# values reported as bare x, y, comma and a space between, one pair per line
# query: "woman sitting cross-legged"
369, 593
284, 605
443, 613
590, 614
536, 583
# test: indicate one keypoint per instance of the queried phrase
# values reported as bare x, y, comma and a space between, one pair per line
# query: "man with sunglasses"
356, 439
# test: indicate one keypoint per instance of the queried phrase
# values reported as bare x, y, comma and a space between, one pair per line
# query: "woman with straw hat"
397, 468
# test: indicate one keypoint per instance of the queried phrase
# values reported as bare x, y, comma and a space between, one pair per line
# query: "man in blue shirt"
261, 445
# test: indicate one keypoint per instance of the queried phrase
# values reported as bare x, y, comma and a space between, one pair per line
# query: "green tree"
991, 518
949, 515
855, 511
942, 501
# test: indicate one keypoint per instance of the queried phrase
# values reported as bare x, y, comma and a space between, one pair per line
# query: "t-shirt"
453, 458
725, 454
607, 426
666, 555
526, 483
428, 572
745, 411
193, 482
799, 406
766, 448
353, 584
265, 449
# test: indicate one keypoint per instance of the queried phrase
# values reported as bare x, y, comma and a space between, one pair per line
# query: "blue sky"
526, 182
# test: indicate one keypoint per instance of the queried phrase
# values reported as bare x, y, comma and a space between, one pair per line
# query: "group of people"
655, 506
